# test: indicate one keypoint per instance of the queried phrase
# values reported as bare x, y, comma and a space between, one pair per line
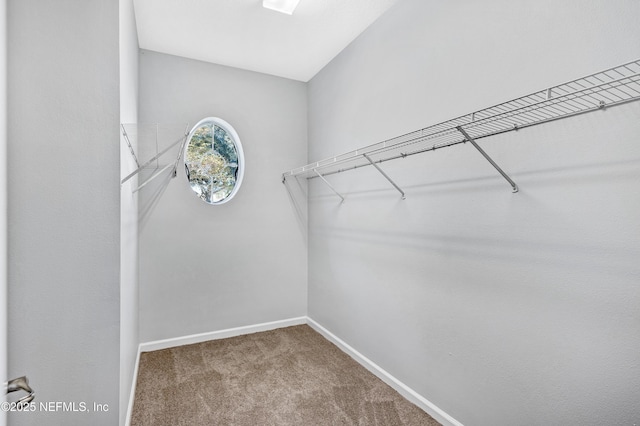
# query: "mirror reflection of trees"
211, 163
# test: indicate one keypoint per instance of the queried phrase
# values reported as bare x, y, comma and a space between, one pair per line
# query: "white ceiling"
243, 34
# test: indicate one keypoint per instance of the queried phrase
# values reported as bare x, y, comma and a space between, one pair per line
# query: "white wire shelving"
148, 134
614, 86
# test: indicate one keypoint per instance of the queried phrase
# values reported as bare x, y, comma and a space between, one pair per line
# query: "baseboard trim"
221, 334
132, 393
404, 390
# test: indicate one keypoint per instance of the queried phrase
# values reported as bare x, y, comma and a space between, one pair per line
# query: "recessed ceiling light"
283, 6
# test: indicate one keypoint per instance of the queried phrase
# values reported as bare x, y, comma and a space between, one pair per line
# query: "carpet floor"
289, 376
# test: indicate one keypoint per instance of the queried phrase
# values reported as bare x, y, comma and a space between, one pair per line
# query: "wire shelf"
171, 137
606, 88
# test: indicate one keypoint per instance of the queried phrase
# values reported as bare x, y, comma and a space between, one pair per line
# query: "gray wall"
128, 207
63, 205
3, 196
500, 308
205, 268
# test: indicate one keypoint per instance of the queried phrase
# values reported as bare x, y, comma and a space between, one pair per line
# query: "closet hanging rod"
614, 86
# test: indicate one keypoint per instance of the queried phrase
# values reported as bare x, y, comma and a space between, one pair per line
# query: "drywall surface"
128, 207
64, 210
205, 268
3, 196
499, 308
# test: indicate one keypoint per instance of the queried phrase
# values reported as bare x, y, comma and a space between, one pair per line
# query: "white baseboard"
404, 390
401, 388
202, 337
221, 334
132, 393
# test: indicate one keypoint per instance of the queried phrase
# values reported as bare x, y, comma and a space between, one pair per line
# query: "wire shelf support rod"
485, 155
404, 197
330, 186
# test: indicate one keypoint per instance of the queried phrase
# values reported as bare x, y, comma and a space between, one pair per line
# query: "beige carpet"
290, 376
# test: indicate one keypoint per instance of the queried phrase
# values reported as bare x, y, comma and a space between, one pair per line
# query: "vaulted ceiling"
243, 34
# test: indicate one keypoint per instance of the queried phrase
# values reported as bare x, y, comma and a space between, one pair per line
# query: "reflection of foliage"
200, 142
211, 167
224, 145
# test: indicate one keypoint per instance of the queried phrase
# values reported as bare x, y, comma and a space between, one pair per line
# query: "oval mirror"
213, 160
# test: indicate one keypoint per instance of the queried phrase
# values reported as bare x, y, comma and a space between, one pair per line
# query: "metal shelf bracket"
485, 155
182, 141
126, 139
385, 175
329, 185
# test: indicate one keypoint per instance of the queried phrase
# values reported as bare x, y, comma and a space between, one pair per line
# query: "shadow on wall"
159, 148
581, 173
556, 254
540, 225
151, 194
298, 198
